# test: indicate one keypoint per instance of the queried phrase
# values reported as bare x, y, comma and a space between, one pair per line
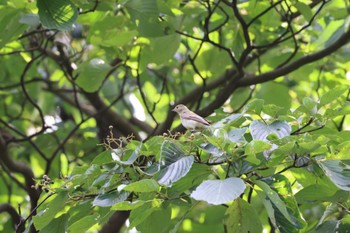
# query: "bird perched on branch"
189, 119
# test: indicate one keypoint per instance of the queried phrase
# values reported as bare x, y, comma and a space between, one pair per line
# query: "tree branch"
22, 168
16, 218
253, 79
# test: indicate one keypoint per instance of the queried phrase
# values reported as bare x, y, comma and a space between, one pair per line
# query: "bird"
189, 119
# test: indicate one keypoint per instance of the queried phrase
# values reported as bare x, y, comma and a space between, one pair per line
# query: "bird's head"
180, 108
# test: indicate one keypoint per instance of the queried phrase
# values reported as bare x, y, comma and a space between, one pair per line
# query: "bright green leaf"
146, 185
47, 212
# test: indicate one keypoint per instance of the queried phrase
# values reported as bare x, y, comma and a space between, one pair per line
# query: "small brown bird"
189, 119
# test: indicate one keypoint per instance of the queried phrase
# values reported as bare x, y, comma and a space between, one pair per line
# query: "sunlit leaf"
57, 14
146, 185
47, 212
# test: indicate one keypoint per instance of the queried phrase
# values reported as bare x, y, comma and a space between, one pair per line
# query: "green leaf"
227, 121
175, 171
157, 221
333, 94
47, 212
176, 165
255, 106
310, 105
344, 225
194, 177
110, 199
242, 217
91, 74
57, 14
161, 49
315, 193
57, 225
170, 153
127, 205
83, 224
328, 227
338, 172
146, 185
102, 158
143, 7
304, 9
260, 130
273, 105
218, 192
131, 154
141, 213
237, 135
256, 146
275, 199
10, 25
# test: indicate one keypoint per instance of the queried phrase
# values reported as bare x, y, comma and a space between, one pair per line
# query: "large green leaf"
242, 217
57, 14
338, 172
47, 212
218, 192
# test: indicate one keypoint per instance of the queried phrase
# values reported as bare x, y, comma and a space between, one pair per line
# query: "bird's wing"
198, 119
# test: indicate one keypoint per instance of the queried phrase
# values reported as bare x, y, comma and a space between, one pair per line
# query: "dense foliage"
88, 141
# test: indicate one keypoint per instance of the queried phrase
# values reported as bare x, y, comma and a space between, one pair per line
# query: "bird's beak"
173, 109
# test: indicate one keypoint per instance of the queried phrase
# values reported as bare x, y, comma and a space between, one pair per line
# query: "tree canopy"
89, 141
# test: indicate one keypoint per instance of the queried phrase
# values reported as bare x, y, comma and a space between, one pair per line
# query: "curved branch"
16, 218
19, 167
253, 79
